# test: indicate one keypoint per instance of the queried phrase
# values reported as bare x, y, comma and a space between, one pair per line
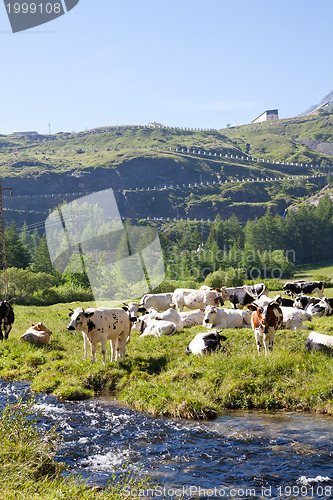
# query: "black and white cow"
239, 297
302, 286
315, 307
7, 318
205, 343
284, 301
257, 289
319, 342
101, 325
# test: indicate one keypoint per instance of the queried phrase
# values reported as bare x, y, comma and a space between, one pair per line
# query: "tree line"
224, 252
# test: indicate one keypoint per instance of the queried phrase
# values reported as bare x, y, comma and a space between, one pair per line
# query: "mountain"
328, 97
160, 172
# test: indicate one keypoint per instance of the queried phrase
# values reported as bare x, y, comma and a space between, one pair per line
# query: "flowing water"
239, 455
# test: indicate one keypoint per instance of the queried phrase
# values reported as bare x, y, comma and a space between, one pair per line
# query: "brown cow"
37, 334
265, 320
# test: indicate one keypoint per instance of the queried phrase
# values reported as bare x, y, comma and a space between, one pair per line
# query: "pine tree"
17, 254
42, 261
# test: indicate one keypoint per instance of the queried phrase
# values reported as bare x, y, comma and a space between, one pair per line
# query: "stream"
241, 454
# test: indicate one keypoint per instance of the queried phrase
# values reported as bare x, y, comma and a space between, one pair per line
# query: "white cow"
161, 301
168, 315
155, 327
293, 318
194, 299
101, 325
192, 318
216, 317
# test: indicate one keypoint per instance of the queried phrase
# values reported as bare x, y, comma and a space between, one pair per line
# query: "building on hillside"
269, 114
155, 125
327, 106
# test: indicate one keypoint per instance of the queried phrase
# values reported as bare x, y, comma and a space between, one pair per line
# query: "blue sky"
179, 62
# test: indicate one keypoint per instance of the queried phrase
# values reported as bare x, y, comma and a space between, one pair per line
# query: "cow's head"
39, 327
267, 316
210, 314
78, 319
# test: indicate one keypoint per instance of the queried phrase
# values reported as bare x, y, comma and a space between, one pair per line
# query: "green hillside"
285, 140
167, 172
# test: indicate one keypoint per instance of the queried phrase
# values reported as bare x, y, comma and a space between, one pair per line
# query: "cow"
206, 342
101, 325
37, 334
302, 286
293, 318
284, 301
192, 318
257, 289
265, 320
7, 318
155, 327
319, 342
194, 299
315, 307
320, 309
226, 318
168, 315
240, 296
134, 308
161, 301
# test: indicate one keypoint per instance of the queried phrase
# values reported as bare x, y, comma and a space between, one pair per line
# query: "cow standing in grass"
6, 318
265, 320
101, 325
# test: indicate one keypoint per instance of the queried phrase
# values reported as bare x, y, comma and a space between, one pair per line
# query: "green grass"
320, 270
159, 378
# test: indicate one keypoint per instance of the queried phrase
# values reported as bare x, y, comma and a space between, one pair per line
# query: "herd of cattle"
162, 314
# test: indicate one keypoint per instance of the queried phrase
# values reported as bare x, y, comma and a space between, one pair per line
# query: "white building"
269, 114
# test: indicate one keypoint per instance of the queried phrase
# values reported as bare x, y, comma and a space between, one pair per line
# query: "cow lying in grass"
319, 342
205, 343
156, 327
226, 318
37, 334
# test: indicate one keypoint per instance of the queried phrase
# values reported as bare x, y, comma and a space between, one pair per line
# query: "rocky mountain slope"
165, 172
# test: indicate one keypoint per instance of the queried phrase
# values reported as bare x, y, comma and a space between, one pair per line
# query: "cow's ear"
33, 324
222, 337
202, 310
70, 314
142, 310
88, 315
125, 308
252, 307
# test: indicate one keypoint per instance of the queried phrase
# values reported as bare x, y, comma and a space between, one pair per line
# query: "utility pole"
3, 261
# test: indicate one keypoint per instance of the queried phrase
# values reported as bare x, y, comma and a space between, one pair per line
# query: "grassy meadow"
159, 378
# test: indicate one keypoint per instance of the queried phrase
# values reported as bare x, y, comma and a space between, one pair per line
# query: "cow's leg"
7, 328
120, 346
269, 340
1, 335
113, 349
258, 336
103, 349
85, 345
93, 348
271, 335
